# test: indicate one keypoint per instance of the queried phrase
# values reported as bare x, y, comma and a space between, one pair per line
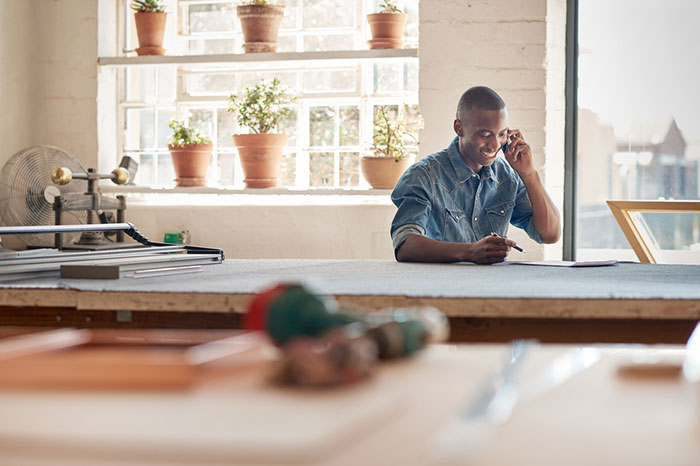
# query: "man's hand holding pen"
510, 242
490, 249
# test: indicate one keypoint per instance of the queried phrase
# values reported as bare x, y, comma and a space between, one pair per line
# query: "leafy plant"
390, 133
185, 135
148, 6
263, 106
389, 6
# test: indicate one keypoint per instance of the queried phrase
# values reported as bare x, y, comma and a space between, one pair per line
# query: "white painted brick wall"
66, 92
18, 46
497, 31
555, 66
471, 11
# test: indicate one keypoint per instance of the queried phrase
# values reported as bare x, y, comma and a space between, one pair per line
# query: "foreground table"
608, 414
621, 303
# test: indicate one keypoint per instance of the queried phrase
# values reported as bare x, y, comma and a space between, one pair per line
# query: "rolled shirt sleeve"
522, 213
412, 196
403, 232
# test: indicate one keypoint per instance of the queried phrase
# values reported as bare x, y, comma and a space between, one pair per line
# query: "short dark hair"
481, 97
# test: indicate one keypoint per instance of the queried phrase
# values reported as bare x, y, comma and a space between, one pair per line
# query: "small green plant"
185, 135
389, 6
390, 133
263, 106
148, 6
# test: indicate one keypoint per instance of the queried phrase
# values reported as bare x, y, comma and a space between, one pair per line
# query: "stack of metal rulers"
151, 259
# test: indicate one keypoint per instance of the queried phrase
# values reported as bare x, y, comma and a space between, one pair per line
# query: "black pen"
517, 248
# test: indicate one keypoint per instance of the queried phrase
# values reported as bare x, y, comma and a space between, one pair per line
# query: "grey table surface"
389, 278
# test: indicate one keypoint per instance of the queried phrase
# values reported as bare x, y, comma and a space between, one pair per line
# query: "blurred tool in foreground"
323, 345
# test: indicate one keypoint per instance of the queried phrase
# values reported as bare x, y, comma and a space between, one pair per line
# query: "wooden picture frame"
622, 210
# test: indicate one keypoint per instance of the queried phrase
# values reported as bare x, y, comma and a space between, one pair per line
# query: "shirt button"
475, 219
503, 211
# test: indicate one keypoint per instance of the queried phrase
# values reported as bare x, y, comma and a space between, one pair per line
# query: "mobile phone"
504, 148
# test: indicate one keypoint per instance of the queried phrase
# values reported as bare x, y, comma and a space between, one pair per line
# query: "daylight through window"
638, 125
332, 122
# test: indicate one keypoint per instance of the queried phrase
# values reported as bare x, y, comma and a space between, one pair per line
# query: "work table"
649, 302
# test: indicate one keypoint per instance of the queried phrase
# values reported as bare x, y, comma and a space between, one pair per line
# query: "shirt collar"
460, 166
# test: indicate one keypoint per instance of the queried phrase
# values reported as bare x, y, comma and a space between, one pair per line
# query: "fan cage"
26, 192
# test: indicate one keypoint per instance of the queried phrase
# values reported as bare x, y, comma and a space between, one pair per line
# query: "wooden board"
254, 423
597, 417
124, 359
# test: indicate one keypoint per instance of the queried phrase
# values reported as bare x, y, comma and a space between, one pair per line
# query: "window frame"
571, 131
363, 96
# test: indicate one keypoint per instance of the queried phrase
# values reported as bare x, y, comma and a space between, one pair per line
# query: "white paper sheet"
553, 263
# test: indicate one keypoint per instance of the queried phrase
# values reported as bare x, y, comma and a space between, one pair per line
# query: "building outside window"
638, 126
337, 95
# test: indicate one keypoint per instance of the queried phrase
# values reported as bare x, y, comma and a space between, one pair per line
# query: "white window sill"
258, 191
248, 196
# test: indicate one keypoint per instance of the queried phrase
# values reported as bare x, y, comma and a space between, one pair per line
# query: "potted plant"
391, 158
261, 109
191, 153
260, 21
150, 26
387, 26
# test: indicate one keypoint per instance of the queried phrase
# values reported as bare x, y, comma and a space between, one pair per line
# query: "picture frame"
634, 231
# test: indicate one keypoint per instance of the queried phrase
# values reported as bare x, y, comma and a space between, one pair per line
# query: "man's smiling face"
481, 135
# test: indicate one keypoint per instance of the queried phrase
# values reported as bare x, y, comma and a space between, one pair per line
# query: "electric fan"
27, 192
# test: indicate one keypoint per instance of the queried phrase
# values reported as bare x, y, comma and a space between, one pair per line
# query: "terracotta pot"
150, 27
384, 172
260, 24
387, 30
191, 162
261, 157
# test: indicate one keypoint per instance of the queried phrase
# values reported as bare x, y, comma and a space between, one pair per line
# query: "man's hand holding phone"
518, 154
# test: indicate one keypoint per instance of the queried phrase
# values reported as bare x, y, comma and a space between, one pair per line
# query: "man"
456, 205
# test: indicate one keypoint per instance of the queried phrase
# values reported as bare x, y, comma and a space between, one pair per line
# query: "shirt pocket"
499, 216
454, 226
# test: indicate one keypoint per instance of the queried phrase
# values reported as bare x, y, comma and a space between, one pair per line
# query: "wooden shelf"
257, 58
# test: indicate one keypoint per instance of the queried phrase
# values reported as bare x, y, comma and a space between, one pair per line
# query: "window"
337, 97
638, 129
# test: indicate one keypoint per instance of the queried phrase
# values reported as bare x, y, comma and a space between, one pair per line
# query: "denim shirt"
442, 198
